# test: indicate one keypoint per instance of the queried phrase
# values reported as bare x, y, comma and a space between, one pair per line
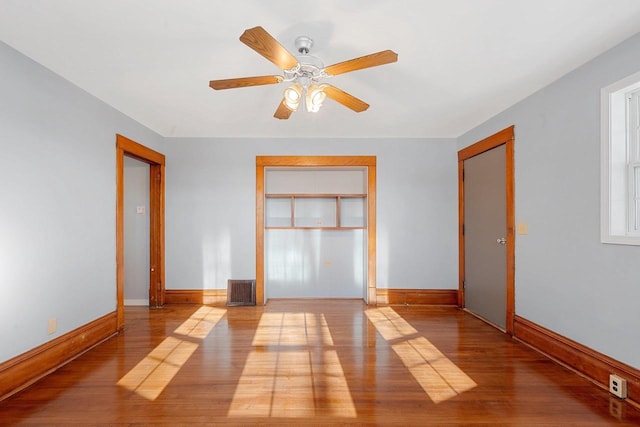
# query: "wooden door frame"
504, 137
369, 162
156, 161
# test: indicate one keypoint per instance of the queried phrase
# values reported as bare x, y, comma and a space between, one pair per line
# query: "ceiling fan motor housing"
310, 65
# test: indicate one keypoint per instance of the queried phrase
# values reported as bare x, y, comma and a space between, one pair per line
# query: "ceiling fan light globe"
292, 96
315, 98
318, 97
293, 106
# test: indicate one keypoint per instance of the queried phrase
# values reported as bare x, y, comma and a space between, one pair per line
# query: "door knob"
502, 241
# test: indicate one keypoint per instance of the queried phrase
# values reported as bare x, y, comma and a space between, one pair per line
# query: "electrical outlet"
618, 386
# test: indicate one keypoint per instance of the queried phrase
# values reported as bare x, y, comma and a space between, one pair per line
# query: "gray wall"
211, 208
566, 280
57, 196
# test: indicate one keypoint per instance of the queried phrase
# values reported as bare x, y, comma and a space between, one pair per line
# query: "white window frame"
619, 156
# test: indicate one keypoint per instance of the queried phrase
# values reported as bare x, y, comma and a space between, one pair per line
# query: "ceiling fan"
304, 72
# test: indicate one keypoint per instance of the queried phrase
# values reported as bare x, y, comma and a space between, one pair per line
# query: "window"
621, 162
634, 162
335, 211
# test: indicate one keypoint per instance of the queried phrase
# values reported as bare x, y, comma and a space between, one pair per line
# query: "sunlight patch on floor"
200, 323
289, 329
291, 373
390, 324
153, 373
438, 376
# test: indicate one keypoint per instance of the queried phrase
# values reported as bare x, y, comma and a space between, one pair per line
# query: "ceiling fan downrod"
304, 44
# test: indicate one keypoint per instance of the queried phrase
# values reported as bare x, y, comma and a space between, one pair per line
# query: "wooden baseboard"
383, 296
585, 361
25, 369
417, 296
196, 296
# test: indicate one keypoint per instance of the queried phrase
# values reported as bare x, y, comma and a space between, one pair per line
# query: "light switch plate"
522, 228
52, 327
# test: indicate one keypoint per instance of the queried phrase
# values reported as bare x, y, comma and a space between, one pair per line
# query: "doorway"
368, 162
156, 161
486, 229
315, 232
136, 232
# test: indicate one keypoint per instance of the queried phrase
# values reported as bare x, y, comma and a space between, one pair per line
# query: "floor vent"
241, 292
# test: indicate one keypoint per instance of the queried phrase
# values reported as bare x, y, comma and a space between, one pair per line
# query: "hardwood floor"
321, 362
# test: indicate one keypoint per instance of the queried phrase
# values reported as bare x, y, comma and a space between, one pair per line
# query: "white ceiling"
460, 61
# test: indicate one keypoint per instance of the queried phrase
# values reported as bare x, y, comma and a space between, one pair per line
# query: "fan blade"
262, 42
245, 82
345, 99
373, 60
283, 112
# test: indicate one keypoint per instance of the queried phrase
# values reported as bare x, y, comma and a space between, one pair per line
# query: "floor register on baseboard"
241, 292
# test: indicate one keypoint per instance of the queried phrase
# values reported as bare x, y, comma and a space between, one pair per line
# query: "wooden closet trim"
156, 161
317, 161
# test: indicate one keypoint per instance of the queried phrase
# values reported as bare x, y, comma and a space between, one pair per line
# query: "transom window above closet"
316, 198
333, 211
